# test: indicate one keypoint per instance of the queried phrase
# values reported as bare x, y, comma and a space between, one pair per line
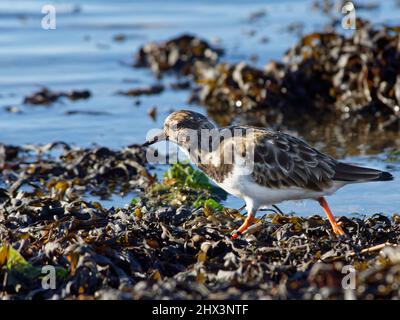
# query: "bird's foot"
337, 229
235, 234
242, 228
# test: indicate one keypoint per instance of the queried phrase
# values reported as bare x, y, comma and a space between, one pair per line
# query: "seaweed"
173, 240
98, 171
327, 84
393, 156
47, 97
176, 55
150, 90
323, 72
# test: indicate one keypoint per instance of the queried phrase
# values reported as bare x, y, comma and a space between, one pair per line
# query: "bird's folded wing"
281, 160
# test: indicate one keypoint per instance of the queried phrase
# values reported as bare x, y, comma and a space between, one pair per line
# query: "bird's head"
180, 126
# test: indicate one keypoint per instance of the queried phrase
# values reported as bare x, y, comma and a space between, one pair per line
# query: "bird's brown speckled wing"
281, 160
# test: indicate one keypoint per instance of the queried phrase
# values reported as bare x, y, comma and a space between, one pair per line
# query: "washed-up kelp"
167, 252
98, 171
235, 88
183, 184
178, 55
48, 97
178, 247
359, 73
150, 90
324, 71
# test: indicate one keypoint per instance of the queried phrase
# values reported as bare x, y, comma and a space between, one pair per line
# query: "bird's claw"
338, 230
235, 234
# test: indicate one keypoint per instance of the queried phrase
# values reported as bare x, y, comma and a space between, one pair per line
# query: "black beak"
157, 138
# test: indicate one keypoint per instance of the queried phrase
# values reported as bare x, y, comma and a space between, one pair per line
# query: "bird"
280, 166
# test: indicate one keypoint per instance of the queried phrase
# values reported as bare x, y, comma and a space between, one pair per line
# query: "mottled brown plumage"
217, 174
283, 167
281, 160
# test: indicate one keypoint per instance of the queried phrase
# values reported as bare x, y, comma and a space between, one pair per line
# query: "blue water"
81, 54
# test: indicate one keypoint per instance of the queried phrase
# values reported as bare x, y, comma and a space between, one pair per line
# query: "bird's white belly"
243, 186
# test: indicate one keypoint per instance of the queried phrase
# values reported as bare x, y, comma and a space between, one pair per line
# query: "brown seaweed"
98, 171
150, 90
323, 72
48, 97
176, 55
169, 245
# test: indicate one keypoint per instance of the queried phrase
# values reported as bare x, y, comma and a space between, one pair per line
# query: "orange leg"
243, 227
337, 229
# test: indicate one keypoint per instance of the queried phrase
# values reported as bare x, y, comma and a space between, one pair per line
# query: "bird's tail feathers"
353, 173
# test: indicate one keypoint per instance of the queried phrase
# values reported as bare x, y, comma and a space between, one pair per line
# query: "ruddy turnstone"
282, 167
